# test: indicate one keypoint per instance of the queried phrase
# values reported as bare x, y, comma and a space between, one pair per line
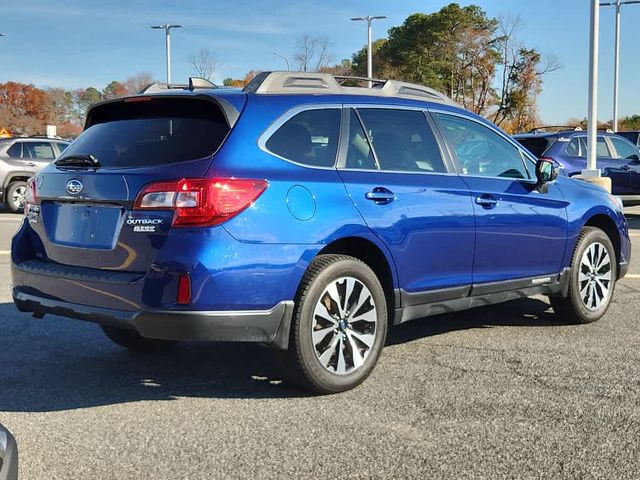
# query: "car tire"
342, 301
593, 277
16, 189
132, 340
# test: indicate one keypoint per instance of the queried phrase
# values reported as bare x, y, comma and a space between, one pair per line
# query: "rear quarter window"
309, 138
155, 132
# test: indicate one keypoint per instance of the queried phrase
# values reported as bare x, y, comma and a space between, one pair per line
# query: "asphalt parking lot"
496, 392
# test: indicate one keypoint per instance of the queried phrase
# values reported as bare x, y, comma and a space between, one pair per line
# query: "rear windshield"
155, 132
536, 145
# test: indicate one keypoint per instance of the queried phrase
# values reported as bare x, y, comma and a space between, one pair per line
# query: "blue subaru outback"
307, 215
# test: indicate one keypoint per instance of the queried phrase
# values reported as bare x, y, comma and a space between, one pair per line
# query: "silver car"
21, 158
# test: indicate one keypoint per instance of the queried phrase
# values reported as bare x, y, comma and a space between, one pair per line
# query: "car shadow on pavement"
57, 364
526, 312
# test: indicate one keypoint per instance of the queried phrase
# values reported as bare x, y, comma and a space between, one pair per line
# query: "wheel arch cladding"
373, 256
608, 226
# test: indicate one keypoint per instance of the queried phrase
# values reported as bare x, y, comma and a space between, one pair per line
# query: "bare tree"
205, 63
313, 53
138, 82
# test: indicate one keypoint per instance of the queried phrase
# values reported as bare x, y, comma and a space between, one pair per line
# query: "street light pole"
369, 19
284, 58
167, 28
592, 134
616, 58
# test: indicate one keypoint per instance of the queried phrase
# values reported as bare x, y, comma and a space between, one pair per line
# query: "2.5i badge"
144, 224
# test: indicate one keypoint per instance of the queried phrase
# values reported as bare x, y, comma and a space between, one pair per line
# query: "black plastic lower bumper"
262, 326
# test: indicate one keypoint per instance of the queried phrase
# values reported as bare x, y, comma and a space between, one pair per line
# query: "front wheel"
339, 325
593, 278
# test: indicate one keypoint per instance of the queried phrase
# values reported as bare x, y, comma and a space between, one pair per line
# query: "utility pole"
369, 19
167, 28
616, 67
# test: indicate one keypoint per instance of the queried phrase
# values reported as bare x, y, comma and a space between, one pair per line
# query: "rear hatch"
536, 144
83, 208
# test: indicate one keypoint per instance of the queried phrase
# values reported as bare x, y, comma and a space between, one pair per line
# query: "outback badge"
144, 224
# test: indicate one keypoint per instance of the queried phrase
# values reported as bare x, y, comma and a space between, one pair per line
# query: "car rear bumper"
263, 326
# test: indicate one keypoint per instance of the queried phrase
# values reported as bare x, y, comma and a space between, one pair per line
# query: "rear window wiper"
78, 161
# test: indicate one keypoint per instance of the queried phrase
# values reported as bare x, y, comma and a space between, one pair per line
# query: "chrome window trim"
523, 153
450, 170
288, 115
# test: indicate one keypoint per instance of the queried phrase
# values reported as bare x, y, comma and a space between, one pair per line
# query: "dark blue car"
618, 158
306, 215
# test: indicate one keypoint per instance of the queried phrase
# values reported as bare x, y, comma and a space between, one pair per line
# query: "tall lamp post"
369, 19
284, 58
167, 28
616, 68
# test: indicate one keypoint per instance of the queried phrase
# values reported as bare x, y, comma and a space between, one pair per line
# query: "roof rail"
306, 82
555, 128
194, 84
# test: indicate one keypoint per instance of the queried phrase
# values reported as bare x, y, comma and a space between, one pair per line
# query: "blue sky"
89, 43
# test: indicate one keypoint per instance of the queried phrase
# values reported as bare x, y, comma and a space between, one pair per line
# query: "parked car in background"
21, 158
633, 136
617, 157
306, 215
8, 455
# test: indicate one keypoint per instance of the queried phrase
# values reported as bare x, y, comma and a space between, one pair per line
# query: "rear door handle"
487, 201
31, 164
380, 195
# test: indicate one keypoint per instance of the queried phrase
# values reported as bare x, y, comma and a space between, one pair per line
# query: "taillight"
30, 194
201, 202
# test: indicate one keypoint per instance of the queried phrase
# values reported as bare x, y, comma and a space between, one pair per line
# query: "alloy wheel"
594, 277
344, 325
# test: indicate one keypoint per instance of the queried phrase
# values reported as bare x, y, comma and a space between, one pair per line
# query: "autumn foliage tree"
23, 108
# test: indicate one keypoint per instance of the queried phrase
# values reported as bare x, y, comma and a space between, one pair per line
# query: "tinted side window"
62, 146
40, 150
480, 151
402, 140
602, 149
359, 154
15, 151
624, 150
574, 148
310, 138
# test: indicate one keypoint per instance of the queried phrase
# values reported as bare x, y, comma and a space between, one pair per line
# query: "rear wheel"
16, 196
339, 325
132, 340
593, 278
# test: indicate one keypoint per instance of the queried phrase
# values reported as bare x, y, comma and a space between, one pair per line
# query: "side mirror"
546, 171
8, 456
634, 158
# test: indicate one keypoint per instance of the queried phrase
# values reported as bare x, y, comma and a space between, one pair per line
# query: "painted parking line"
5, 252
632, 276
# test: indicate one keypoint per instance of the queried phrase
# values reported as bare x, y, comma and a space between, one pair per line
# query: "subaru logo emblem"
74, 187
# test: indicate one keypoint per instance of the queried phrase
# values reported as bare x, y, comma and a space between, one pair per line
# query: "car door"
521, 233
628, 155
397, 177
615, 170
